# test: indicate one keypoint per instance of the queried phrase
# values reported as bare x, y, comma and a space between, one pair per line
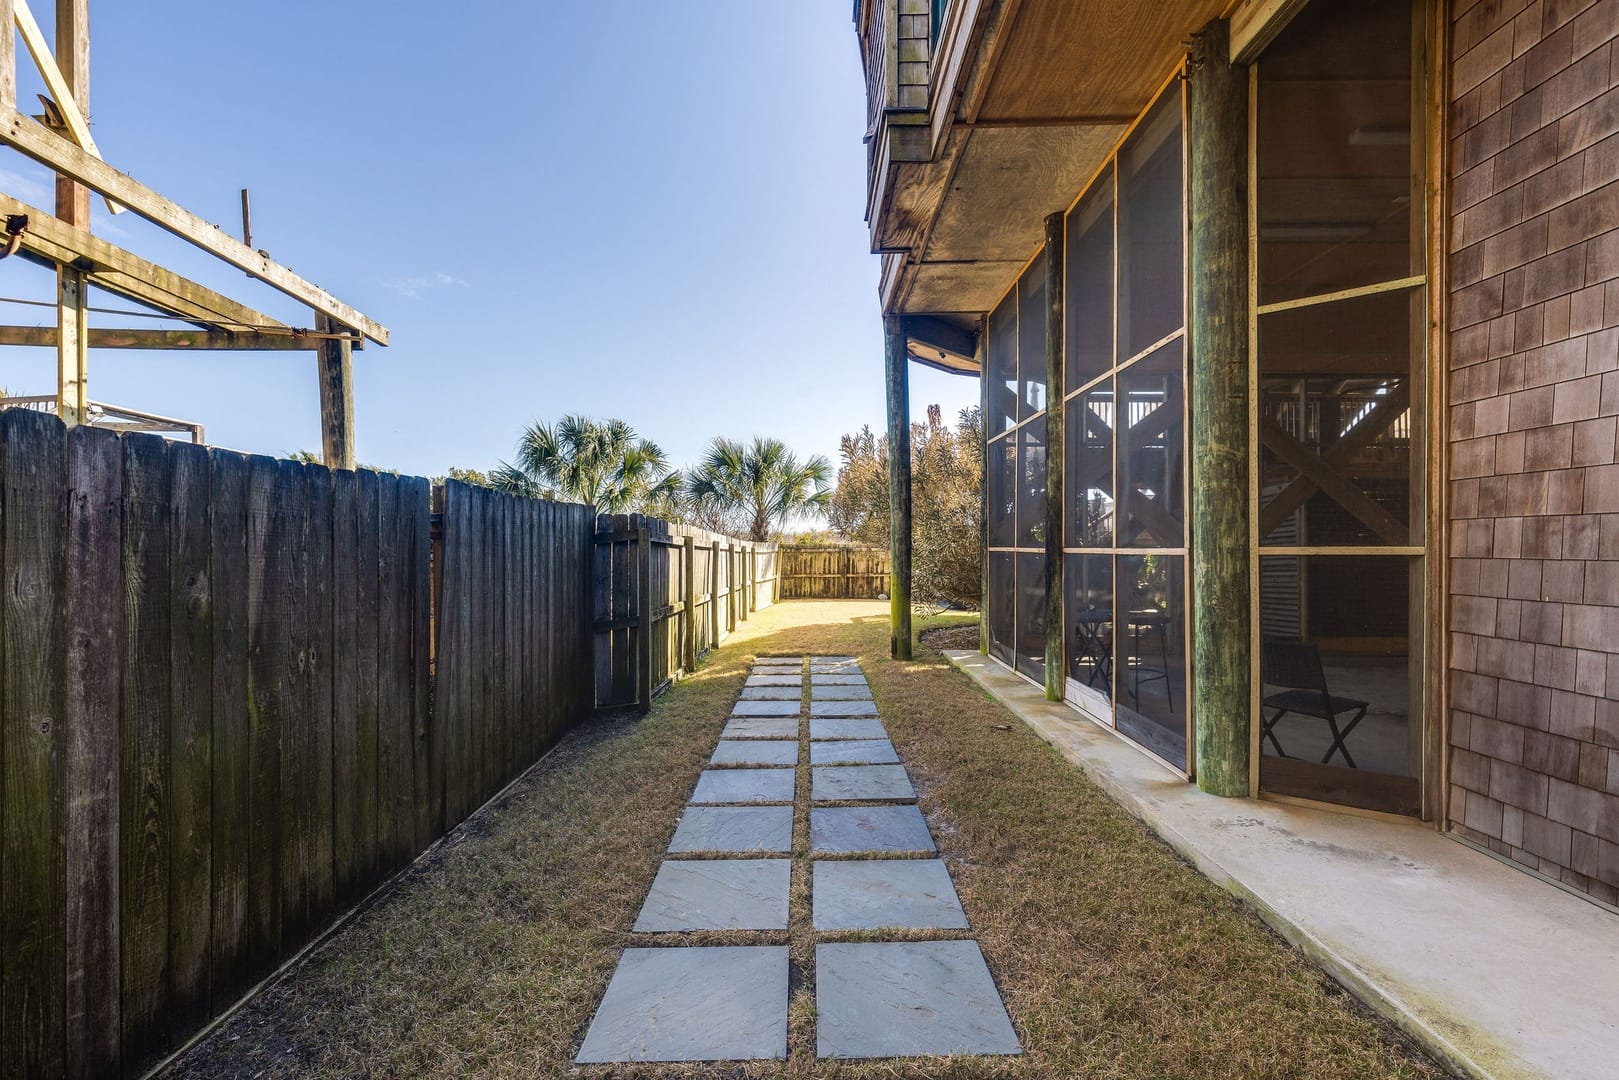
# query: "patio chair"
1296, 666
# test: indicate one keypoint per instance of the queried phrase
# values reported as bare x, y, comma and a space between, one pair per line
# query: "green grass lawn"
1116, 959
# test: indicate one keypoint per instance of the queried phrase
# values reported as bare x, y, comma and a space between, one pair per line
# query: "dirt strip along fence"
236, 695
833, 573
664, 594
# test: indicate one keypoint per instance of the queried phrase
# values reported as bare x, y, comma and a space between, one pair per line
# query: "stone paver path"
873, 868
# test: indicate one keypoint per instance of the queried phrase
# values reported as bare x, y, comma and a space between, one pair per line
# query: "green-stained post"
897, 362
1221, 649
1056, 668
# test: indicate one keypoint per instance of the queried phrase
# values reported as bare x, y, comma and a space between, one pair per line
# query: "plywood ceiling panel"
1073, 58
1009, 179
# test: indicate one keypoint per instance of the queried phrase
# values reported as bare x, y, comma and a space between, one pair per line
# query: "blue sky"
641, 209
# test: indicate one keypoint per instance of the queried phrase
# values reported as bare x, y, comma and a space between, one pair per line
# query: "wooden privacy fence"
665, 594
833, 573
236, 695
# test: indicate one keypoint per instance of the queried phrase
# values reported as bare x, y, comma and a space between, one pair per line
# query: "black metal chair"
1296, 666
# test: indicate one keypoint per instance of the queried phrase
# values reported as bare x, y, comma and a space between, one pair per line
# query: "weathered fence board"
832, 573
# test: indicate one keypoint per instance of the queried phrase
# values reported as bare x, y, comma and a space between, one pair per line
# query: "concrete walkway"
873, 869
1493, 971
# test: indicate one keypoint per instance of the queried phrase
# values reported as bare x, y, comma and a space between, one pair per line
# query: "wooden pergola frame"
64, 243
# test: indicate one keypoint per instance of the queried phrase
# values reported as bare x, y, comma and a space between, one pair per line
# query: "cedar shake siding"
1534, 404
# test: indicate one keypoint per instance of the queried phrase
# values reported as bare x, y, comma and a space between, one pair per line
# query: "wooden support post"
336, 367
73, 60
897, 364
8, 57
73, 207
688, 656
643, 616
714, 596
1221, 648
72, 347
1056, 629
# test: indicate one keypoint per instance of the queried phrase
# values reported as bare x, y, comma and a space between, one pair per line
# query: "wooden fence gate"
664, 594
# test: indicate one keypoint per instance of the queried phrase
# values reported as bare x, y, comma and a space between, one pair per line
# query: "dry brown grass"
1116, 959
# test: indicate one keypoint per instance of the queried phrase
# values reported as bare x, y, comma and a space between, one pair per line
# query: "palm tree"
764, 481
600, 462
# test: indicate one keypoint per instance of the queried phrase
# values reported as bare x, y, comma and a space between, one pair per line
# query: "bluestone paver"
773, 680
726, 1003
765, 708
755, 752
840, 708
717, 894
839, 783
871, 894
730, 829
886, 830
744, 786
837, 680
840, 668
847, 729
771, 693
853, 752
760, 728
906, 999
840, 693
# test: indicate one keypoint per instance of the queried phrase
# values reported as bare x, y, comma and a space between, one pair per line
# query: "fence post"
643, 680
747, 581
688, 655
714, 596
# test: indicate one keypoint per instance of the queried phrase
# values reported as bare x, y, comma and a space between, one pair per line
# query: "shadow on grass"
489, 956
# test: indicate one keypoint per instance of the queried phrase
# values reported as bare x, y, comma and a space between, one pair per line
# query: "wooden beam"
928, 332
46, 337
72, 347
1255, 25
1056, 637
52, 241
1338, 488
1362, 435
336, 364
1221, 628
45, 147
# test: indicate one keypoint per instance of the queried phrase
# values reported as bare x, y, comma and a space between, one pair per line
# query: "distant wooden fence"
664, 595
833, 573
236, 695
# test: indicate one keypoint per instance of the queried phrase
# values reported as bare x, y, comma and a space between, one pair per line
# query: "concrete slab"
847, 729
841, 668
730, 829
757, 728
839, 783
755, 752
724, 1003
906, 999
838, 680
840, 693
773, 680
887, 830
916, 894
771, 693
1493, 971
843, 708
765, 708
717, 894
834, 659
744, 786
853, 752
